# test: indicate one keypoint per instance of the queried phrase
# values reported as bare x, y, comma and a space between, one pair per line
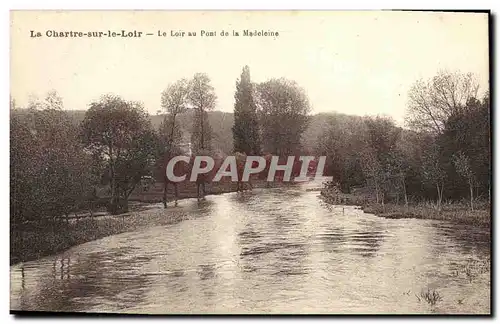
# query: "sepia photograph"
301, 162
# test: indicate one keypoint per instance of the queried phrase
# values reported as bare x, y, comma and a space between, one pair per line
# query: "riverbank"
38, 240
154, 193
455, 212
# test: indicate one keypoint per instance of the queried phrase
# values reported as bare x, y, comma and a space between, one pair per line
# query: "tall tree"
432, 102
404, 165
202, 98
463, 166
373, 172
24, 167
120, 133
381, 139
341, 143
246, 129
284, 109
433, 171
468, 132
173, 103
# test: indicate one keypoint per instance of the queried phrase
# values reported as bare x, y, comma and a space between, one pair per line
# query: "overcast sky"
359, 63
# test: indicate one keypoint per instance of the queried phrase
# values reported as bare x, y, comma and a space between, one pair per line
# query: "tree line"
59, 167
444, 154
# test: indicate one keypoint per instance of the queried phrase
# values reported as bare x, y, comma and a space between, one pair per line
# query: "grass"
457, 212
39, 240
430, 296
36, 240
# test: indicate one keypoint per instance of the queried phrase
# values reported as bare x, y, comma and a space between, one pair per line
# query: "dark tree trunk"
165, 188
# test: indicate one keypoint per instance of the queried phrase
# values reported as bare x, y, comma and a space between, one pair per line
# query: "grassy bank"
39, 240
36, 240
454, 212
154, 194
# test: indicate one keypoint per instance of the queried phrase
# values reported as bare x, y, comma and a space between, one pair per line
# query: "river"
266, 251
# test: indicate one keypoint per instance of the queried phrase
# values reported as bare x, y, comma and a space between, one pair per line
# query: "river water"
266, 251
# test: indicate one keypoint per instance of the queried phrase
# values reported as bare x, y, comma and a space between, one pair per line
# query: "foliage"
202, 98
432, 102
283, 109
431, 296
449, 159
173, 103
119, 133
58, 157
246, 128
51, 173
340, 141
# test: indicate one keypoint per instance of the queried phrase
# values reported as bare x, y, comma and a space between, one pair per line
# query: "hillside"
222, 123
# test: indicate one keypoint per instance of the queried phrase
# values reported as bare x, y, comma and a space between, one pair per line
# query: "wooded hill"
221, 123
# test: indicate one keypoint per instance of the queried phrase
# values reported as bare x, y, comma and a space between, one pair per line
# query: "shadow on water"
206, 271
98, 277
242, 197
467, 238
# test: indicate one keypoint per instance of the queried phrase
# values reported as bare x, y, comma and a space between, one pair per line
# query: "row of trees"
59, 166
269, 117
197, 94
445, 153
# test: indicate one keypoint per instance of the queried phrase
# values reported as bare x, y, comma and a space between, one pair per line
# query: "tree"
53, 101
431, 103
173, 103
380, 158
13, 105
468, 132
396, 169
284, 108
246, 128
373, 172
23, 170
202, 98
462, 164
485, 141
433, 172
50, 170
405, 164
240, 166
119, 132
341, 142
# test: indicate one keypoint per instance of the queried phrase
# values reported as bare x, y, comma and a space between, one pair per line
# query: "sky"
352, 62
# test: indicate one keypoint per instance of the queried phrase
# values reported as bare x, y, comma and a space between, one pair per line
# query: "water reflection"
206, 271
276, 251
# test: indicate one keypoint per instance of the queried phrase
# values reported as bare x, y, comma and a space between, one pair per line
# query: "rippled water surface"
266, 251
